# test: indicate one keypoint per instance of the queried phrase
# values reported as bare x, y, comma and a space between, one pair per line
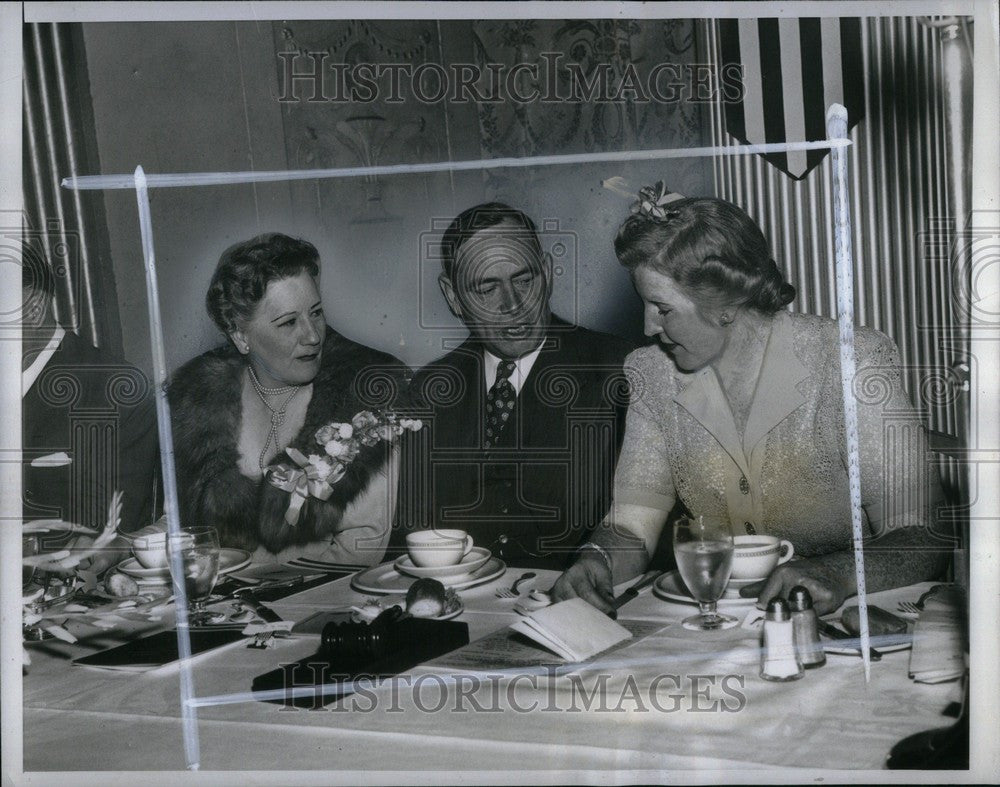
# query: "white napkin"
572, 629
938, 653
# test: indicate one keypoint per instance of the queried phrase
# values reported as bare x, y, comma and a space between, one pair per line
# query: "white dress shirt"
521, 368
29, 375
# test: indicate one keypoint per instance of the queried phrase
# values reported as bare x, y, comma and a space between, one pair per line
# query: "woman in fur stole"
283, 374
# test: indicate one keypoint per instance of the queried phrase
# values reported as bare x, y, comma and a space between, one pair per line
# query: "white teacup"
151, 550
438, 548
754, 557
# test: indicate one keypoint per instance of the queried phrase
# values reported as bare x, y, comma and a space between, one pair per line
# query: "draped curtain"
65, 230
903, 202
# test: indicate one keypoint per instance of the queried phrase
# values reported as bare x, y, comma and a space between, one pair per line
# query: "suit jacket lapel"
777, 394
535, 418
703, 398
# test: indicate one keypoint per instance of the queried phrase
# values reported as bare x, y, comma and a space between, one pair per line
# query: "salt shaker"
777, 653
805, 628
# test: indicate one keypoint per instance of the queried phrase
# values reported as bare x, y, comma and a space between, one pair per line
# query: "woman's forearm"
628, 535
902, 557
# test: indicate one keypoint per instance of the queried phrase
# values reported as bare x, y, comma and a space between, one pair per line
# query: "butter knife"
645, 581
833, 632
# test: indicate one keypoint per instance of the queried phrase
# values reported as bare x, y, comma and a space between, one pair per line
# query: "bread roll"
426, 598
121, 585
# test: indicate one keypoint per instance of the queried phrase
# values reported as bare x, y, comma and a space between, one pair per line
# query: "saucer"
229, 560
670, 587
385, 578
476, 558
733, 588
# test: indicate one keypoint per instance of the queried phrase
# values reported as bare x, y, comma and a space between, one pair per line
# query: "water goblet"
193, 555
703, 548
29, 548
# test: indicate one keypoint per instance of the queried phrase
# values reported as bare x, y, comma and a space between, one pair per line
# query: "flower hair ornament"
653, 202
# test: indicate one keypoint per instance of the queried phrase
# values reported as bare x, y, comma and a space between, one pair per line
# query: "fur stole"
205, 396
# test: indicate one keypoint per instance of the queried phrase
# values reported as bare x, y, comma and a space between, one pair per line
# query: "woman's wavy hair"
245, 269
712, 249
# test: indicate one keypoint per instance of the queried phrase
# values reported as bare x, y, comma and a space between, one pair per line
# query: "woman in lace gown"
737, 413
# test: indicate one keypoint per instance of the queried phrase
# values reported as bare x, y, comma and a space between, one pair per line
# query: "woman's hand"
828, 589
589, 579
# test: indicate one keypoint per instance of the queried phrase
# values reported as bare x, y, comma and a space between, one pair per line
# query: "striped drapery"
64, 229
791, 70
902, 207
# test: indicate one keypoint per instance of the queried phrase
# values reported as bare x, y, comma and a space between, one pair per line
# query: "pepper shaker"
777, 653
805, 628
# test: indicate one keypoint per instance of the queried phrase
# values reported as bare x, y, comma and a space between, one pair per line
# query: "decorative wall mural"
598, 85
326, 127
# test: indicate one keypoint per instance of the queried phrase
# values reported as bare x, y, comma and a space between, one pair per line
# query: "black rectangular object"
159, 649
422, 640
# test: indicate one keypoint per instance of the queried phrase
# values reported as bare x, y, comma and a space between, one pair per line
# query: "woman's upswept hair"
245, 269
712, 249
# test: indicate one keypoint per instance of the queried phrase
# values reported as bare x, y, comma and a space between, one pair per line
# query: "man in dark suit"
88, 426
525, 417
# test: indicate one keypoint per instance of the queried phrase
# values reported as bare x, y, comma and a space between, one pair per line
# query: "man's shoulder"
589, 344
99, 373
466, 357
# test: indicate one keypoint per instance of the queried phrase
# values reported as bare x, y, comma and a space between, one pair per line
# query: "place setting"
702, 566
149, 561
445, 555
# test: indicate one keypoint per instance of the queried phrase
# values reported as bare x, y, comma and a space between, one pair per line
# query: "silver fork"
511, 592
908, 608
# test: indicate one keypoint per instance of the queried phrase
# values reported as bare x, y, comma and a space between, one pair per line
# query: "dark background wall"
189, 97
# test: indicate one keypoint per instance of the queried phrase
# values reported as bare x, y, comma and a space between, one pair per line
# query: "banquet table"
671, 700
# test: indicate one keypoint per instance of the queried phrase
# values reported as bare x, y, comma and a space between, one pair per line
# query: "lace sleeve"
643, 476
899, 486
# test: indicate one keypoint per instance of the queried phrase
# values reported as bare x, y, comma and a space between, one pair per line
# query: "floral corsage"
316, 474
653, 201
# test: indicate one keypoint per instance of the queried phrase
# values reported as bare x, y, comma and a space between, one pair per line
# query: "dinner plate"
386, 579
476, 559
670, 587
229, 560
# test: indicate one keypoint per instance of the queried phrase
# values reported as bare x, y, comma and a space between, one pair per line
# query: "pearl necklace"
277, 416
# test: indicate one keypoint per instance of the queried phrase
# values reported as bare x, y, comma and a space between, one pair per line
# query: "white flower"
413, 424
385, 432
346, 431
335, 448
326, 433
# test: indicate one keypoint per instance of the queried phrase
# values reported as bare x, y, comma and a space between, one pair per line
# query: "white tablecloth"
675, 700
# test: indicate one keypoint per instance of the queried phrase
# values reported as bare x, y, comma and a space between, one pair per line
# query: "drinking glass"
194, 553
29, 548
703, 548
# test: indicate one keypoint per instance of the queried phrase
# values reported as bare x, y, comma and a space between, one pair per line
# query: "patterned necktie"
499, 403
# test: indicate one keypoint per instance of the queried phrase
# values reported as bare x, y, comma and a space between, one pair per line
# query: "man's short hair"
480, 217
